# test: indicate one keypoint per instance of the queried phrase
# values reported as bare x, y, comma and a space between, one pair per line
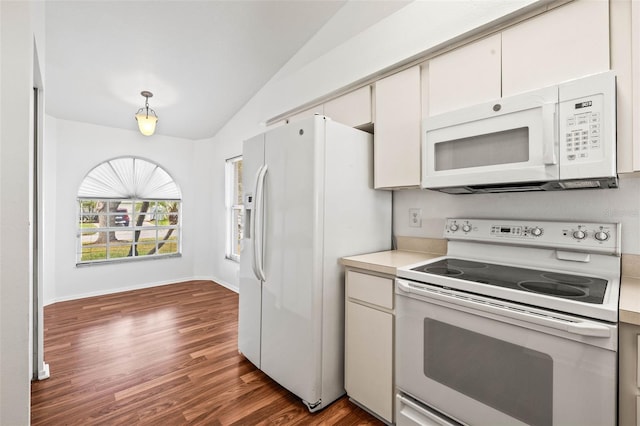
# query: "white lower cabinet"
369, 321
629, 375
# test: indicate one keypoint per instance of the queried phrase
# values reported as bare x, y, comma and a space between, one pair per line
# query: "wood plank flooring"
163, 356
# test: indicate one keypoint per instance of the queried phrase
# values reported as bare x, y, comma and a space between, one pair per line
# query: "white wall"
78, 148
48, 209
16, 83
210, 262
607, 205
414, 29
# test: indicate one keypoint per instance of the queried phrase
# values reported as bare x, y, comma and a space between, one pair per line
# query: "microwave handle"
550, 137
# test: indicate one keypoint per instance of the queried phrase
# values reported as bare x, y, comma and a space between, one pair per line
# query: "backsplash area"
607, 205
424, 245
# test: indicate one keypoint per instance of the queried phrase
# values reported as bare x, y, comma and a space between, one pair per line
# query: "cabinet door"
628, 380
318, 109
369, 358
634, 150
563, 44
465, 76
625, 38
352, 109
397, 130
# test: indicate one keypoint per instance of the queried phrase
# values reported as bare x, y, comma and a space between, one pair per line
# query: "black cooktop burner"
584, 289
439, 270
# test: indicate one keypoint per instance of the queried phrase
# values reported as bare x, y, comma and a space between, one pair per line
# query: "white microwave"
558, 137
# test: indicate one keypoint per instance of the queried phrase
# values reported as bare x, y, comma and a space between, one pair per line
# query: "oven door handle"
588, 329
582, 328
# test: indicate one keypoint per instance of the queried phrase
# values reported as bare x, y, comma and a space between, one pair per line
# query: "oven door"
474, 360
512, 140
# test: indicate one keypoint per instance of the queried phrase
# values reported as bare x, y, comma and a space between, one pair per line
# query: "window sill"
127, 260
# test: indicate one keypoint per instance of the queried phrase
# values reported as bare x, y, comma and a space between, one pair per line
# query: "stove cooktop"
574, 287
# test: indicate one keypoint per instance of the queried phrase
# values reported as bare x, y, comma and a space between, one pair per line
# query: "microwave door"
510, 141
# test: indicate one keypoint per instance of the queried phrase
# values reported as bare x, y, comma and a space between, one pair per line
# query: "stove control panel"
585, 236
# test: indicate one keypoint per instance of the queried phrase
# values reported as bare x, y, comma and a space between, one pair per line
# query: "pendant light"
146, 122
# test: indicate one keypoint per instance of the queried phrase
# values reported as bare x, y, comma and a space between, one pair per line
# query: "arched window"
128, 208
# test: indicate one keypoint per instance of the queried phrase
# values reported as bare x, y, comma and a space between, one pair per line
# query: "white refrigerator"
309, 200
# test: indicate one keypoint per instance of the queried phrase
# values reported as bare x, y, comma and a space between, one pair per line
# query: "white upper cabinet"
465, 76
625, 58
318, 109
396, 152
625, 47
566, 43
352, 109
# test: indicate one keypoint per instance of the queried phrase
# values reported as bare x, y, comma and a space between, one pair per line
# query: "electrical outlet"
415, 218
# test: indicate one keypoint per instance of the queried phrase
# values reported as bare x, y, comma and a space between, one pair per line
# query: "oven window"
510, 378
505, 147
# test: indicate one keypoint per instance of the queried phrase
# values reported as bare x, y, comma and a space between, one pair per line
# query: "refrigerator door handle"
258, 225
252, 224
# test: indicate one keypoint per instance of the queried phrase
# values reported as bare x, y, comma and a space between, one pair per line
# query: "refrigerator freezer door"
250, 304
292, 291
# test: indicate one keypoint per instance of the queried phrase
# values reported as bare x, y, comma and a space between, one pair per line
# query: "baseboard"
223, 283
44, 372
139, 287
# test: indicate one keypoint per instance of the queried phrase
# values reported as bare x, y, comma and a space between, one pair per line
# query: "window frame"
134, 183
176, 234
234, 208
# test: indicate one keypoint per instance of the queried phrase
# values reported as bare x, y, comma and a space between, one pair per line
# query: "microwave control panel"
587, 127
581, 129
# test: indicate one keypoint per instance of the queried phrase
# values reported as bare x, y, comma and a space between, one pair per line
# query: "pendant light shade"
146, 117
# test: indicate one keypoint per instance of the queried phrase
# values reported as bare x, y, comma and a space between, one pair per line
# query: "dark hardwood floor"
164, 356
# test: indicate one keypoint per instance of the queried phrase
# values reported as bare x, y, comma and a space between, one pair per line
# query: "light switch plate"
415, 218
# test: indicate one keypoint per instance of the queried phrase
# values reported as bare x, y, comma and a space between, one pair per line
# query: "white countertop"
630, 290
386, 262
630, 300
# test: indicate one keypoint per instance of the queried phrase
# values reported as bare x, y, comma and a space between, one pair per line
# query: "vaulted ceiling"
203, 60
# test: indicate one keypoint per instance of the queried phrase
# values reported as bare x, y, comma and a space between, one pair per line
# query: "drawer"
370, 289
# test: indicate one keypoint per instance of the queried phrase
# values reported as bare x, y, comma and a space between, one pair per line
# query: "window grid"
112, 230
234, 207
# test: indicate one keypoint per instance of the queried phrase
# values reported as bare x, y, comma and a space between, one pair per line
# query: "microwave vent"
601, 183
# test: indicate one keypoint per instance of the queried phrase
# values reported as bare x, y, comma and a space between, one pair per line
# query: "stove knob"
601, 236
466, 227
453, 227
536, 232
579, 234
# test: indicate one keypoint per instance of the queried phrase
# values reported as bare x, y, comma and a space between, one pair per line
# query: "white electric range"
517, 324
